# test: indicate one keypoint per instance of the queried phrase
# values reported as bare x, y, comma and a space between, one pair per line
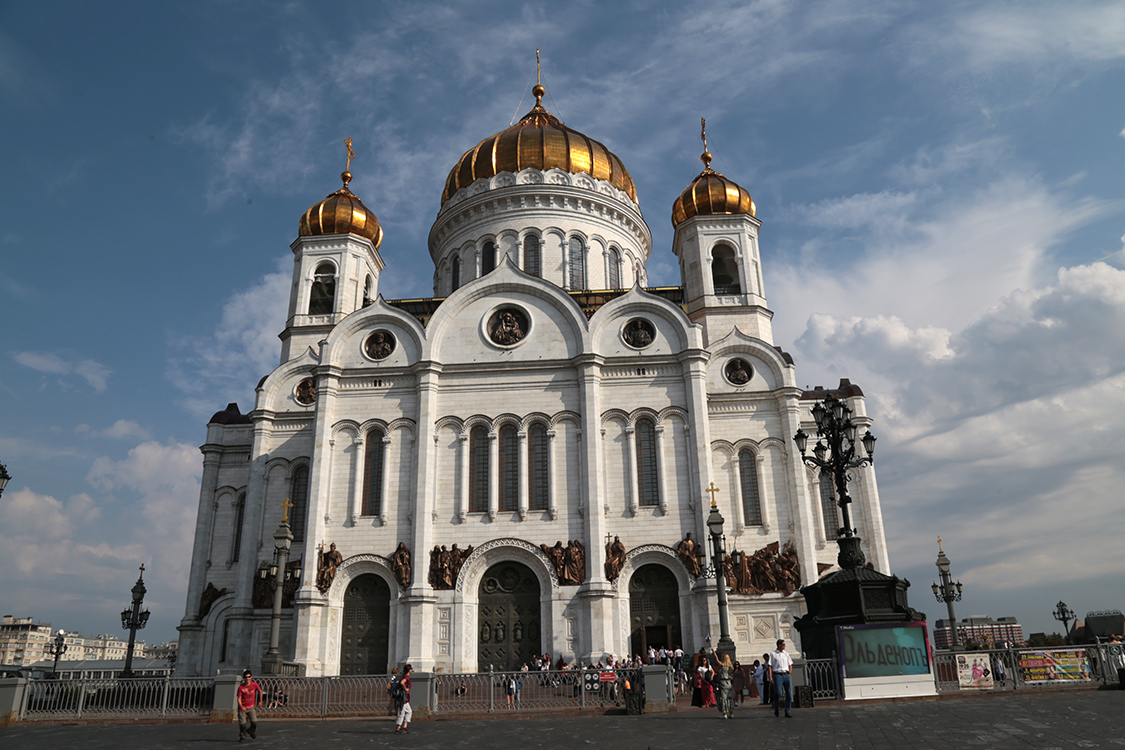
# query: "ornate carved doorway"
654, 609
366, 631
509, 627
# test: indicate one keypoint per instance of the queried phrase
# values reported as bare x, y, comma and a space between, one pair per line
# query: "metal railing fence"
296, 697
143, 697
823, 675
1028, 668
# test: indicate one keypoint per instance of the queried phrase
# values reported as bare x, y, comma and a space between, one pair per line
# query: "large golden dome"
538, 141
710, 194
341, 212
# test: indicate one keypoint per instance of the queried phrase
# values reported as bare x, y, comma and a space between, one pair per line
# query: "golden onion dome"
538, 141
341, 212
711, 194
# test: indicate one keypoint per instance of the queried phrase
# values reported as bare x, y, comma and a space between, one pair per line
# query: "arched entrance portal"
509, 626
654, 609
366, 631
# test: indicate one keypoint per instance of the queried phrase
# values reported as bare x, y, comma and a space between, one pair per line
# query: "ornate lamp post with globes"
57, 648
1064, 614
836, 453
272, 662
134, 619
947, 592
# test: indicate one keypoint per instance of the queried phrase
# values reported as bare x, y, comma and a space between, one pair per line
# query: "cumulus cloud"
94, 373
223, 366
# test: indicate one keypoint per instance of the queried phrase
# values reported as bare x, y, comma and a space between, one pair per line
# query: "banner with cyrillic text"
1055, 665
883, 650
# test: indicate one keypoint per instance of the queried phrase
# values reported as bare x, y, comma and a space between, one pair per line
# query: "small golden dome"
710, 194
341, 213
538, 141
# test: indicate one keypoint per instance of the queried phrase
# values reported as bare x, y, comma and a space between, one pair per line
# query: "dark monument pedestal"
855, 596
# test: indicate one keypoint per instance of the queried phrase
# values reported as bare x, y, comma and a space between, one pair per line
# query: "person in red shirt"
249, 693
402, 701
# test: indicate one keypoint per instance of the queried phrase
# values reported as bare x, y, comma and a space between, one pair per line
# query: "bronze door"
654, 609
508, 628
366, 631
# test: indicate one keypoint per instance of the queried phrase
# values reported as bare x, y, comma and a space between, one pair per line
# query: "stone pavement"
1071, 719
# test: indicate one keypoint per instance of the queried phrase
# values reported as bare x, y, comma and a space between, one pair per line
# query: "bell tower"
716, 240
336, 266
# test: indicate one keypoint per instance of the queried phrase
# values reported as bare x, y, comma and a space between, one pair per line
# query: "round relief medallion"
738, 371
305, 392
638, 333
379, 344
507, 326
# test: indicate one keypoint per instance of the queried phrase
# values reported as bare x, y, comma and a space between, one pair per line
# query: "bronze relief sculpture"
507, 326
400, 565
569, 562
306, 392
687, 551
614, 559
209, 597
739, 371
638, 333
326, 565
379, 345
445, 565
771, 569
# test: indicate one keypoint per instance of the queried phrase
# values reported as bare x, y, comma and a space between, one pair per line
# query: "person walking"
724, 677
738, 684
767, 681
401, 693
781, 667
249, 694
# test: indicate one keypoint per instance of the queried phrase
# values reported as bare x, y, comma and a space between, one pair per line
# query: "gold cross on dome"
713, 489
538, 79
285, 506
939, 545
351, 154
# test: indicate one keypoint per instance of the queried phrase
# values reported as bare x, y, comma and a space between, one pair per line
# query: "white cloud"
124, 428
94, 373
223, 366
1043, 33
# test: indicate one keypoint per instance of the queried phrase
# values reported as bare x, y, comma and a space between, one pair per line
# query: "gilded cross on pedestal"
713, 489
285, 506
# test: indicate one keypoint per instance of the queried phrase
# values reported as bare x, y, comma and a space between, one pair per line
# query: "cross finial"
142, 570
285, 506
713, 489
705, 157
538, 91
351, 154
939, 545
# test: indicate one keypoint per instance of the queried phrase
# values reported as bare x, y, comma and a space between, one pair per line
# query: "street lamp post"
835, 452
4, 477
947, 591
1064, 614
282, 542
715, 522
56, 649
134, 619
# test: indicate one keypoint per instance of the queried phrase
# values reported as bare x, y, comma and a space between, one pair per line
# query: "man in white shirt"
781, 664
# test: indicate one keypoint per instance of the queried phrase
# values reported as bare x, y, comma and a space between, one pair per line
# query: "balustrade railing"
143, 697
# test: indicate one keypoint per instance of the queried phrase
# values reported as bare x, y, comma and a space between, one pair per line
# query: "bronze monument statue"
208, 598
614, 559
400, 565
687, 550
445, 565
326, 565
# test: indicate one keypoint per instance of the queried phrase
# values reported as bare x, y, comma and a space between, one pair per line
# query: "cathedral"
524, 462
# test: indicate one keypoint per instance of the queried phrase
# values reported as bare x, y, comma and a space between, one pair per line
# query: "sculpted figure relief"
569, 562
379, 345
687, 550
306, 392
738, 371
445, 565
507, 327
638, 333
769, 569
326, 564
209, 597
614, 559
400, 565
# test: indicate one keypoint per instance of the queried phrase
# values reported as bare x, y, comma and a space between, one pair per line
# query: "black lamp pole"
835, 452
1064, 614
134, 619
56, 649
4, 477
715, 523
282, 542
947, 591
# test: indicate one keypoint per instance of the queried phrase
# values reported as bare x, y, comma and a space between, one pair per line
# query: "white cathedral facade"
511, 467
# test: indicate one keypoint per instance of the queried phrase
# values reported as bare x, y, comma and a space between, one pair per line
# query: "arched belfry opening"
365, 637
724, 271
509, 627
654, 609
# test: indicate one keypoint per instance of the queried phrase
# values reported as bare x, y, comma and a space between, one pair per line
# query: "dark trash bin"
804, 697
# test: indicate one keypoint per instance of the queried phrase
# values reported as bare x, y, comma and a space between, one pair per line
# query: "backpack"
395, 688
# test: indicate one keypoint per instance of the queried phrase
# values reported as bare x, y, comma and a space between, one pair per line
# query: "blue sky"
943, 219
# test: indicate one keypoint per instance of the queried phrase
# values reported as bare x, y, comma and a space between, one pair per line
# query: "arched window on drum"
724, 271
576, 260
614, 268
322, 294
532, 260
537, 477
509, 469
647, 487
373, 467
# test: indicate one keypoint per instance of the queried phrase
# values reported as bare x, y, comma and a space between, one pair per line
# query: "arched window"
614, 269
487, 258
724, 271
509, 469
647, 487
537, 480
478, 470
828, 507
299, 497
751, 502
322, 296
456, 275
239, 517
373, 467
577, 262
367, 292
531, 260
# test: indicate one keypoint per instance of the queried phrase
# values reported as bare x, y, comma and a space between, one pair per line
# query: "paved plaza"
1072, 719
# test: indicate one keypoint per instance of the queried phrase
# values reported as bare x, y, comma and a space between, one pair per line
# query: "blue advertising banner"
883, 650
